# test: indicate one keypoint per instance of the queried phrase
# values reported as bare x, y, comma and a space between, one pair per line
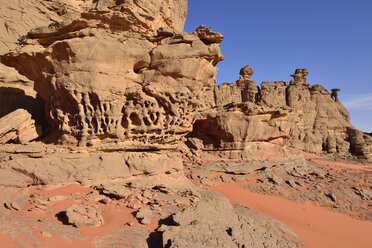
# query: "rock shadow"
12, 99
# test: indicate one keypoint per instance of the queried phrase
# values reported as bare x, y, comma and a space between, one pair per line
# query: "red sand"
115, 215
6, 241
335, 165
314, 225
115, 218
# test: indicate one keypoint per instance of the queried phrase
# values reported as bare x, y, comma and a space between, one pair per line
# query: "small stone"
332, 197
144, 216
83, 216
291, 183
276, 180
130, 223
147, 194
15, 206
105, 201
318, 187
46, 234
238, 178
133, 206
299, 183
41, 202
57, 198
208, 182
12, 206
7, 205
94, 196
39, 209
363, 193
225, 179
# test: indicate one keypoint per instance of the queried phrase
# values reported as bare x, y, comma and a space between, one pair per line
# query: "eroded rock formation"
106, 79
303, 116
121, 77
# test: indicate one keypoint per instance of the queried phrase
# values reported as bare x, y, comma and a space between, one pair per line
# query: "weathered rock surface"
227, 93
301, 115
16, 91
144, 215
273, 93
18, 127
83, 216
139, 16
132, 238
122, 78
113, 82
18, 18
52, 165
238, 125
199, 227
249, 89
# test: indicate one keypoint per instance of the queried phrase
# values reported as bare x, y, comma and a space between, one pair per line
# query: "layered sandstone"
18, 127
138, 16
121, 77
104, 79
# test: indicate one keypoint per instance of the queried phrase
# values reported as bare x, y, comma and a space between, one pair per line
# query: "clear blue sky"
332, 38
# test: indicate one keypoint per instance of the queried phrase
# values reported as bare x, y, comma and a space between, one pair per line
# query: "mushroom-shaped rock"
207, 35
334, 94
248, 87
300, 77
246, 72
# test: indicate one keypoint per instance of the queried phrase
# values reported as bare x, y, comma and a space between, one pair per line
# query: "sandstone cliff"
108, 73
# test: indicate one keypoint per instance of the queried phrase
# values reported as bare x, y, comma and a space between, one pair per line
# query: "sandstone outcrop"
105, 80
235, 126
18, 18
249, 89
83, 216
227, 93
301, 115
199, 227
52, 165
133, 125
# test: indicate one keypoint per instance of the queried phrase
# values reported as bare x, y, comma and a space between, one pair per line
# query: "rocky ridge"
304, 116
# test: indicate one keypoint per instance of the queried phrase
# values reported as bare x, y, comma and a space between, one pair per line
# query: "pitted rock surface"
102, 84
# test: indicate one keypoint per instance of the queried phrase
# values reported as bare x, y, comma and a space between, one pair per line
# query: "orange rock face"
137, 136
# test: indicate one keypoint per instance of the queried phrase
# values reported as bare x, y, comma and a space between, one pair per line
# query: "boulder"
83, 216
18, 127
144, 215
